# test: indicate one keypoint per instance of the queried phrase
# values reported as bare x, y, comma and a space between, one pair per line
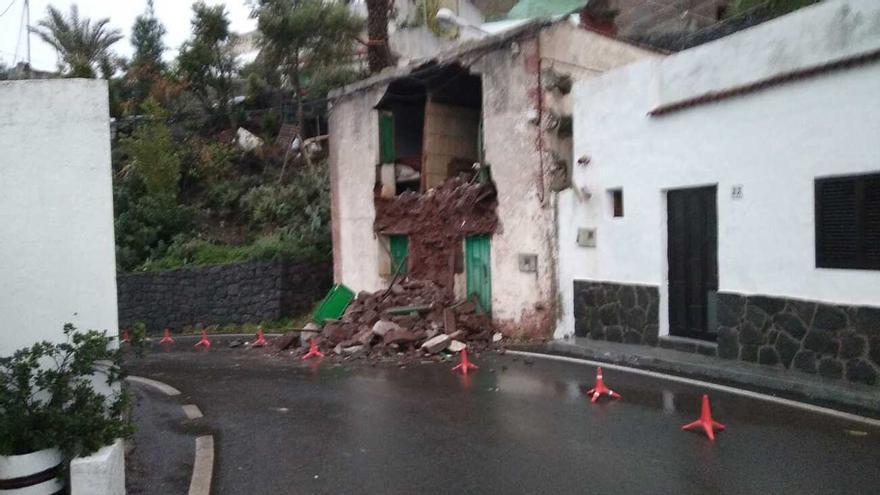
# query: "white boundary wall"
57, 251
773, 142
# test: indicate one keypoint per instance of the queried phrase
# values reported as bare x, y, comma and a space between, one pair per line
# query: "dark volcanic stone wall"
832, 340
616, 312
234, 293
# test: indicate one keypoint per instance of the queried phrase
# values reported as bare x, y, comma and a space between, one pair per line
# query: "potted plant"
51, 412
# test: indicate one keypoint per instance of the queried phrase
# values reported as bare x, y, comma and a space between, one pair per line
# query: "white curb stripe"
163, 387
192, 411
203, 467
723, 388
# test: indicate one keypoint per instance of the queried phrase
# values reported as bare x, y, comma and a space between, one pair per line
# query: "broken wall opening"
431, 187
429, 128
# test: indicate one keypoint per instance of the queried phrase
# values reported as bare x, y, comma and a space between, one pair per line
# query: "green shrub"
47, 399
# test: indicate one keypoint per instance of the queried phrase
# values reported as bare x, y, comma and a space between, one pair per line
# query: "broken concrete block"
449, 321
456, 346
336, 332
286, 340
364, 336
436, 344
399, 336
497, 337
382, 327
354, 349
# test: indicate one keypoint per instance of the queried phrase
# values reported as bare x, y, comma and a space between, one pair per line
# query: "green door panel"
399, 251
386, 137
478, 272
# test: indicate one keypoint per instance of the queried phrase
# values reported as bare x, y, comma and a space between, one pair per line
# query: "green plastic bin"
334, 304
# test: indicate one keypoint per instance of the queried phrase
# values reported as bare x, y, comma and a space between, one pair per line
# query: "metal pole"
27, 8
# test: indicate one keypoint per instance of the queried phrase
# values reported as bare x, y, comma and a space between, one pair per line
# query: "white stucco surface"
773, 142
102, 473
57, 254
354, 153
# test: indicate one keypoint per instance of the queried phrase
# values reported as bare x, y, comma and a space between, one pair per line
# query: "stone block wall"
234, 293
616, 312
835, 341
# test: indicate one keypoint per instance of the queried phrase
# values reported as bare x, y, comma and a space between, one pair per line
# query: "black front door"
692, 252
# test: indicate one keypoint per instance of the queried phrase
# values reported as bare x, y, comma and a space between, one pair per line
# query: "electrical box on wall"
528, 263
587, 237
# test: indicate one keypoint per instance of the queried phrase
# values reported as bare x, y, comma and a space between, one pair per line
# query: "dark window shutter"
848, 222
871, 195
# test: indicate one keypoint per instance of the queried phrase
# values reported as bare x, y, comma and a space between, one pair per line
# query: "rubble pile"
414, 316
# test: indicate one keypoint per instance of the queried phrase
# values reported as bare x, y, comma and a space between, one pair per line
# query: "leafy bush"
146, 225
47, 399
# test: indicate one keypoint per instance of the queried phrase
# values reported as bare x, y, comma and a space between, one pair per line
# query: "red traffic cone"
126, 337
166, 338
313, 350
600, 389
204, 340
705, 422
465, 363
261, 339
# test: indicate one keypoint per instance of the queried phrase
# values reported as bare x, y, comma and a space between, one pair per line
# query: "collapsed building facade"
444, 171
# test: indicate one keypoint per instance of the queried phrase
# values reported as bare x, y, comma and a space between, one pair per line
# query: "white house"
727, 197
57, 253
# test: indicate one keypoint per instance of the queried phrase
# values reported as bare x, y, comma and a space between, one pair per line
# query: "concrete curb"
162, 387
203, 465
830, 395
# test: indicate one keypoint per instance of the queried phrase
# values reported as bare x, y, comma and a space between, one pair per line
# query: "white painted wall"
57, 254
773, 142
354, 153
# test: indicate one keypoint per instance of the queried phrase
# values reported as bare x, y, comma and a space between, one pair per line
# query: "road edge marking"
162, 387
192, 411
723, 388
203, 466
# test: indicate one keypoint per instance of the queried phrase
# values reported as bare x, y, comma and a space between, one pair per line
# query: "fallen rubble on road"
410, 319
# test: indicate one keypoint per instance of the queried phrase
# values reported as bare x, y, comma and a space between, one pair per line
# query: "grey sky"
174, 14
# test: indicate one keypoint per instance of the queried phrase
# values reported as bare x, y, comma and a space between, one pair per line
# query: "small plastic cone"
705, 422
166, 338
600, 389
126, 337
465, 365
261, 339
204, 340
313, 350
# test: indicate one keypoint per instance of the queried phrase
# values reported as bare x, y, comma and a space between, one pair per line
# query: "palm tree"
80, 44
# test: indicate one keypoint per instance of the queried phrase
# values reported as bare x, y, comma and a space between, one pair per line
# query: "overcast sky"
174, 14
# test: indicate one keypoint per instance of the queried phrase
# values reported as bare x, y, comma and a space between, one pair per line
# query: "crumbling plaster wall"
519, 153
521, 157
354, 153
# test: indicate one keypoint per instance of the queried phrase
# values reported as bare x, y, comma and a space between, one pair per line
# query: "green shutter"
386, 137
399, 252
477, 249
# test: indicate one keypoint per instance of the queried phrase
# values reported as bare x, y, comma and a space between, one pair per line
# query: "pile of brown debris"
414, 317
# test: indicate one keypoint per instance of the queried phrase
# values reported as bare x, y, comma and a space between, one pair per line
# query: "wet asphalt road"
285, 427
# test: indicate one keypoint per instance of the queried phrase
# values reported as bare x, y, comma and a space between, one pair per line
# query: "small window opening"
616, 202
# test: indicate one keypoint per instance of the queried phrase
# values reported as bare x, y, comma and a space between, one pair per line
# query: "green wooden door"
477, 250
386, 137
399, 251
